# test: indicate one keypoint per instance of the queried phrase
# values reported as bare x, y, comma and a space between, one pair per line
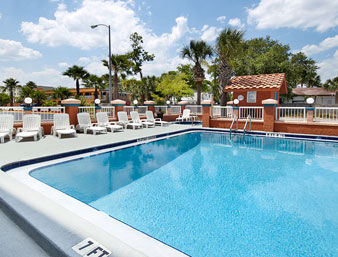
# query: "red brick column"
309, 114
206, 108
118, 104
151, 105
72, 108
269, 114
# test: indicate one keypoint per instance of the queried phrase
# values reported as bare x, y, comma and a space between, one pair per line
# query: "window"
251, 97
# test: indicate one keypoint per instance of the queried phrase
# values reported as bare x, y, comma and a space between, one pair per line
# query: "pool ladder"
248, 119
233, 121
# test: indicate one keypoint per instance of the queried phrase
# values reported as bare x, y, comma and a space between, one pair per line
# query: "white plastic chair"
185, 116
31, 127
135, 117
85, 124
124, 121
157, 121
62, 125
6, 126
103, 121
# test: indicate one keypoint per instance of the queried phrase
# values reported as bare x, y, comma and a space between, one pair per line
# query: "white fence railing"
256, 112
142, 110
326, 114
110, 110
291, 113
128, 109
175, 109
162, 108
196, 109
16, 111
222, 111
47, 112
89, 109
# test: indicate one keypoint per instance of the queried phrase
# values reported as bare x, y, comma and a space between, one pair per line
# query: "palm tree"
38, 97
228, 45
121, 64
61, 93
26, 91
77, 73
332, 85
10, 85
197, 52
31, 85
96, 82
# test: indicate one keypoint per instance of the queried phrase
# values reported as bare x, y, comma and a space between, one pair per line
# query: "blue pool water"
208, 194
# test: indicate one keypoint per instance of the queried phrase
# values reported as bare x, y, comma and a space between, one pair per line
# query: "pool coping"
52, 159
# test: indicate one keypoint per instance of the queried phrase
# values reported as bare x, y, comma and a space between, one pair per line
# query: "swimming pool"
209, 194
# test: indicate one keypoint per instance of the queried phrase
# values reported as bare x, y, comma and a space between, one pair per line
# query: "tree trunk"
225, 72
96, 94
141, 75
199, 85
116, 93
12, 97
77, 87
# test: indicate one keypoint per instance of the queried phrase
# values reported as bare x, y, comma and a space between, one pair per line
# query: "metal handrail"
233, 121
248, 118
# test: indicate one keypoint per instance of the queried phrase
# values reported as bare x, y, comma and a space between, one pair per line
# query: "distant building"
321, 96
193, 99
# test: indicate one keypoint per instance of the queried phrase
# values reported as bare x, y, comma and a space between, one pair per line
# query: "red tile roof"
269, 82
312, 91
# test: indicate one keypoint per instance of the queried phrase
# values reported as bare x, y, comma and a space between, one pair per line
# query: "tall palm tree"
229, 44
39, 97
10, 85
96, 82
61, 93
31, 85
77, 73
197, 52
121, 64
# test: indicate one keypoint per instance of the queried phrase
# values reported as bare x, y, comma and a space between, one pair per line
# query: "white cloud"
328, 43
236, 22
0, 15
328, 68
84, 60
14, 51
221, 19
63, 65
318, 14
210, 34
44, 77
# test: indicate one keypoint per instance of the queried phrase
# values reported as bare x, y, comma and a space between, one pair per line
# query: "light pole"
109, 60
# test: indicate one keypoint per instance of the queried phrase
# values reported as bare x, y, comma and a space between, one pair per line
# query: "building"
321, 96
251, 90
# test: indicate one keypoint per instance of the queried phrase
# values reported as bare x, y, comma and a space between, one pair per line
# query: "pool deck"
47, 229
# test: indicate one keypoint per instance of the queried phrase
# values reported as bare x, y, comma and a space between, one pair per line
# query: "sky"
39, 39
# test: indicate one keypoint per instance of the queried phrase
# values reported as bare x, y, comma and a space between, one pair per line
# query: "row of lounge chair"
32, 124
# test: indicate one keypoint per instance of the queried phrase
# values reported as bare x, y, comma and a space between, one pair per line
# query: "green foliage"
61, 93
305, 70
174, 85
4, 99
31, 85
39, 97
77, 73
10, 85
49, 103
138, 54
26, 91
331, 84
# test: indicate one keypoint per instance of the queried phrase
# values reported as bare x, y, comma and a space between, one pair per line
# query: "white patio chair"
85, 124
62, 125
157, 121
185, 116
103, 121
31, 127
6, 127
135, 117
124, 121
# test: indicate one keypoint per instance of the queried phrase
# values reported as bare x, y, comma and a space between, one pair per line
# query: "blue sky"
39, 40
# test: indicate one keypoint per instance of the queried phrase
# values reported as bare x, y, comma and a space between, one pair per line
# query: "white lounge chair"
103, 121
157, 121
135, 117
6, 126
62, 125
185, 116
124, 121
85, 124
31, 127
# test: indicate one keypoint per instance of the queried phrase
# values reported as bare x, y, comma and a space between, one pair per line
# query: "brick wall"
261, 95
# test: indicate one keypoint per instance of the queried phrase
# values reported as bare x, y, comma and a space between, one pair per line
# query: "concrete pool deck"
48, 226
